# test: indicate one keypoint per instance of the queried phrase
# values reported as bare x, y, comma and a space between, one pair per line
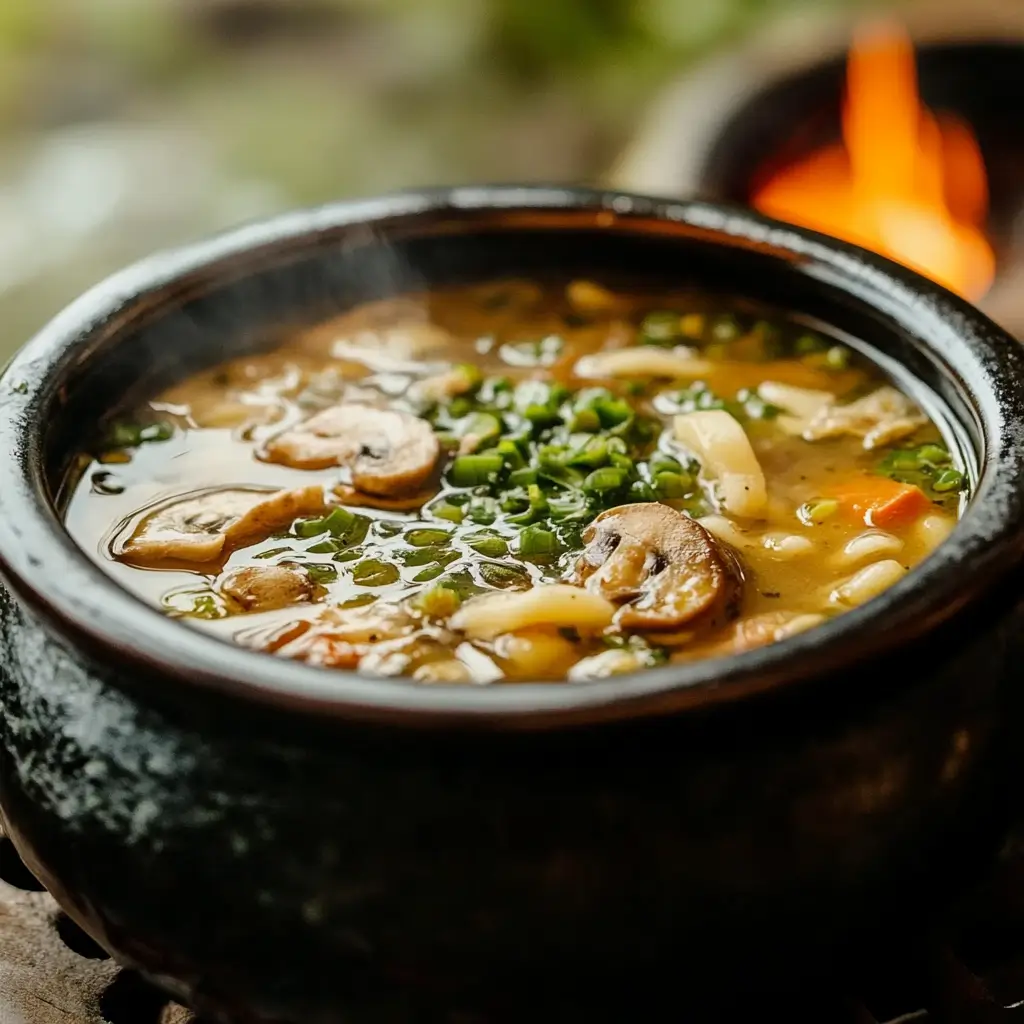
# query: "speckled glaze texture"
273, 842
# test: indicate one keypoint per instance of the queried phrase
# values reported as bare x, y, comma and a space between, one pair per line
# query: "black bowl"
274, 841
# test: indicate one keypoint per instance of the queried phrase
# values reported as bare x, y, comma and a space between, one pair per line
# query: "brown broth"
798, 553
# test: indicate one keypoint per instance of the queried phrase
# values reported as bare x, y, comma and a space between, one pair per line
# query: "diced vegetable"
881, 502
374, 573
437, 602
471, 470
490, 545
535, 540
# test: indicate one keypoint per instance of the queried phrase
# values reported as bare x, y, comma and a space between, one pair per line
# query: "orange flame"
905, 183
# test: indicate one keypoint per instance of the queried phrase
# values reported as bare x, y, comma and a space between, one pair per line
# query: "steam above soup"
513, 482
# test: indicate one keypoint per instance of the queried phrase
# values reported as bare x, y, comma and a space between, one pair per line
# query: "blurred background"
128, 125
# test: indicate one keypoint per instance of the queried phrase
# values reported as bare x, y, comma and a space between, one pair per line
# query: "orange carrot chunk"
879, 501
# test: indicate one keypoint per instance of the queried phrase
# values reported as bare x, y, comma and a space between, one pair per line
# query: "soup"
520, 482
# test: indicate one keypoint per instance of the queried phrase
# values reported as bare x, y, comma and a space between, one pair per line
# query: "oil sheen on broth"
515, 482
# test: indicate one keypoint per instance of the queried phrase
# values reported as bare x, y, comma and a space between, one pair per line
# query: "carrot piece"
879, 501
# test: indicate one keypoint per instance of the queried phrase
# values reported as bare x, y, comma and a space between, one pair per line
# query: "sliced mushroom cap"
197, 527
263, 588
389, 453
668, 567
884, 416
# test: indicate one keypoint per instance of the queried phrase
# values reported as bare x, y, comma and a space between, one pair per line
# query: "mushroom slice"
643, 361
389, 453
727, 458
198, 526
263, 588
554, 606
350, 496
668, 568
884, 416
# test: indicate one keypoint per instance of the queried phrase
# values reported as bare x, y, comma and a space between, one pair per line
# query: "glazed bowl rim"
44, 567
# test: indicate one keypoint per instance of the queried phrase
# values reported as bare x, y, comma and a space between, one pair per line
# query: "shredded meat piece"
884, 416
341, 637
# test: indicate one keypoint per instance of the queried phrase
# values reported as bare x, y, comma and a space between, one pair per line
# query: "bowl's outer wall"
284, 874
206, 840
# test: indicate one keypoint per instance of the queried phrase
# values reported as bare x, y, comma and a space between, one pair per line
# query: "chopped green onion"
947, 481
482, 510
568, 505
522, 477
431, 572
320, 572
814, 513
424, 555
662, 463
425, 537
471, 375
513, 457
606, 479
348, 555
809, 343
194, 604
641, 490
613, 412
325, 547
459, 407
388, 527
726, 328
934, 454
585, 420
444, 509
490, 545
673, 485
358, 601
340, 523
592, 455
481, 426
131, 435
270, 552
472, 470
536, 540
504, 577
659, 327
374, 573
